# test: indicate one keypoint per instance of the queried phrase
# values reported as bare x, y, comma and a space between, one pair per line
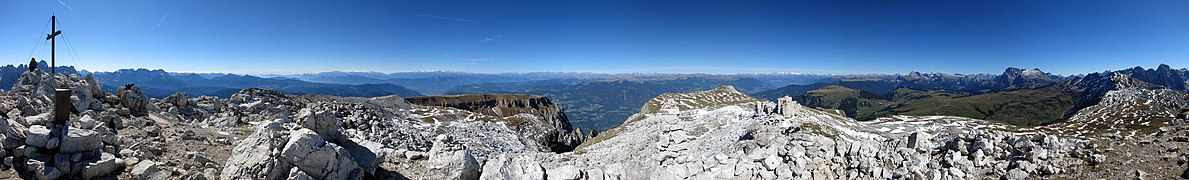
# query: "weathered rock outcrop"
452, 159
721, 134
381, 138
256, 156
318, 158
273, 151
133, 98
532, 116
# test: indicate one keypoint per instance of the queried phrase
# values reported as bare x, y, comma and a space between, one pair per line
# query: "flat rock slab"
102, 166
79, 140
37, 135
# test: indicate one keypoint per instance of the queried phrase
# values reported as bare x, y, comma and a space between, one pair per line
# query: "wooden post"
62, 93
54, 32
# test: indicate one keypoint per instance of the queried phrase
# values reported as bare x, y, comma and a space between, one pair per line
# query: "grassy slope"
1022, 107
855, 103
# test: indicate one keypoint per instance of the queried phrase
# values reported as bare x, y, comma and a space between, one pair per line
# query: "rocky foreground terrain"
1134, 131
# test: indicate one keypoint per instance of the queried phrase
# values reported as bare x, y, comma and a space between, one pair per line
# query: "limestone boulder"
79, 140
319, 158
12, 129
507, 166
256, 156
455, 164
145, 169
102, 166
93, 85
37, 135
133, 98
180, 99
325, 123
569, 172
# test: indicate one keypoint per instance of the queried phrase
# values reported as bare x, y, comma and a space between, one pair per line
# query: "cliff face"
1162, 75
532, 116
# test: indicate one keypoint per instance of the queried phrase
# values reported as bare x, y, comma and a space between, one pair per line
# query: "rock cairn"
84, 148
78, 154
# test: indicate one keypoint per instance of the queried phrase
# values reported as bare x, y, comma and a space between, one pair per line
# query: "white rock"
772, 161
297, 174
86, 122
326, 124
455, 164
1016, 174
37, 135
318, 158
1097, 159
568, 172
255, 157
104, 165
39, 119
144, 169
414, 155
516, 167
79, 140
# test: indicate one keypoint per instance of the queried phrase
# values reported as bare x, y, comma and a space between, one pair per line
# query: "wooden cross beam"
54, 32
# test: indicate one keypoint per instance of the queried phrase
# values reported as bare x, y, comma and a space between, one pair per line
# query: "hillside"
1022, 107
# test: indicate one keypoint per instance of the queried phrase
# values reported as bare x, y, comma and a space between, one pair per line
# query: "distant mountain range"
434, 82
1017, 96
599, 101
441, 82
159, 83
603, 104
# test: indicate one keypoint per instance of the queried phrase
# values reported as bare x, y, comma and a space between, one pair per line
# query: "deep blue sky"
729, 36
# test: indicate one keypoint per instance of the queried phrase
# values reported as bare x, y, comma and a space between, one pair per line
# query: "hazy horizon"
627, 73
715, 37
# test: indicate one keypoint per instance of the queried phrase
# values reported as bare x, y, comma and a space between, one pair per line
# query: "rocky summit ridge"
722, 134
1134, 130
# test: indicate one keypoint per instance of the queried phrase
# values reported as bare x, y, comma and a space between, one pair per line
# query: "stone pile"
181, 107
79, 153
83, 148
